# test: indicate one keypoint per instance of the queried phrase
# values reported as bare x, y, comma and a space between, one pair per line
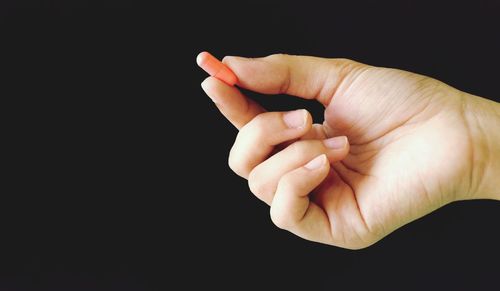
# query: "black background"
119, 179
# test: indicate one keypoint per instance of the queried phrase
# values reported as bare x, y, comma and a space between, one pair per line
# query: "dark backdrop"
119, 178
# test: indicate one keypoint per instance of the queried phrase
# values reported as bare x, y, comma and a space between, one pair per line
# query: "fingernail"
316, 162
336, 143
296, 118
203, 86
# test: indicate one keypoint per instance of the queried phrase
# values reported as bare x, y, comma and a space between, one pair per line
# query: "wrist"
483, 120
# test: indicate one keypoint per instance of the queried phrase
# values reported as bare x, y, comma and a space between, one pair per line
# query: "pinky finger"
291, 209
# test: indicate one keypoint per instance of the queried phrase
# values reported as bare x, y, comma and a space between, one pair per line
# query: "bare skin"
394, 146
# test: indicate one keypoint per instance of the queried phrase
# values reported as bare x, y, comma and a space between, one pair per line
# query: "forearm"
483, 118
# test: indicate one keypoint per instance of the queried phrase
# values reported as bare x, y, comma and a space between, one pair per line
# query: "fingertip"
212, 87
212, 83
201, 57
203, 83
226, 59
207, 84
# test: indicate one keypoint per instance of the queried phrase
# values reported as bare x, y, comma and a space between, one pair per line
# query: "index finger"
235, 106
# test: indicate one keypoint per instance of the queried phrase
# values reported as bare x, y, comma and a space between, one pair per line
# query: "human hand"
412, 149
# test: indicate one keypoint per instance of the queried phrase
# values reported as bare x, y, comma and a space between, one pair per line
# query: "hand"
411, 149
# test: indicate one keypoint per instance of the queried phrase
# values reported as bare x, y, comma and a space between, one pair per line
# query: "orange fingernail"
216, 68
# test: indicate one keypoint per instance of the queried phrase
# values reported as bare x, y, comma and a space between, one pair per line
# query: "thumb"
301, 76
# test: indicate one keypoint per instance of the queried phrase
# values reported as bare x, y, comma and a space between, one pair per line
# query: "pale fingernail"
316, 162
336, 143
203, 86
296, 118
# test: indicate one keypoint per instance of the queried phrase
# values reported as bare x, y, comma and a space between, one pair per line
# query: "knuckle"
255, 184
259, 186
287, 183
279, 218
300, 149
255, 129
280, 57
231, 161
235, 163
279, 215
347, 67
357, 238
258, 126
285, 75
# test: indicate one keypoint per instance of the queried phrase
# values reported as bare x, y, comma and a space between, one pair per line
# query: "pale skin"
394, 146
